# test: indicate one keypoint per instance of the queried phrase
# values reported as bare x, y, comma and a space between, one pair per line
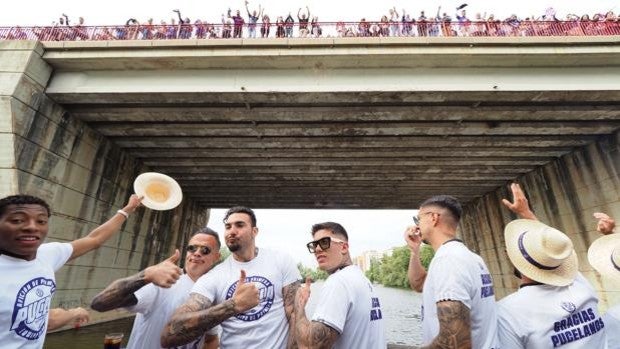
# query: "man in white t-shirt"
604, 256
28, 266
156, 292
555, 305
348, 314
457, 291
251, 294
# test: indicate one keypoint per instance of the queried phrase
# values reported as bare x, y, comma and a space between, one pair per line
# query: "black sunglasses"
325, 243
204, 250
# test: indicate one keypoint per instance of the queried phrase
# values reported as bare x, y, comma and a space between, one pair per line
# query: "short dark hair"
335, 228
448, 202
241, 209
23, 200
209, 231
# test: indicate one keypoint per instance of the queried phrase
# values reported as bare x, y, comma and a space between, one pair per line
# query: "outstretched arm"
310, 334
454, 326
121, 292
59, 317
102, 233
520, 206
197, 315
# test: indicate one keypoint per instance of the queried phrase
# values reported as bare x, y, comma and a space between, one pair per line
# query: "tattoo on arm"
288, 295
119, 294
454, 326
192, 319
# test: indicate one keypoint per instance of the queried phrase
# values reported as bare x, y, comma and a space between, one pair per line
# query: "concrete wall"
563, 194
48, 153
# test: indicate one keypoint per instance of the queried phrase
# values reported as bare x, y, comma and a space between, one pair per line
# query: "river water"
400, 309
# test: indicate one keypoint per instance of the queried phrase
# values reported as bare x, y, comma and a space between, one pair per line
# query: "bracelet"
123, 213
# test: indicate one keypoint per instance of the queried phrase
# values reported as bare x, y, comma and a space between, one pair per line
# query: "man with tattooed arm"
156, 292
457, 291
348, 313
251, 294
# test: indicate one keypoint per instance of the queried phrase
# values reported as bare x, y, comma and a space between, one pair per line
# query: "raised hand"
166, 273
246, 295
134, 202
605, 223
520, 205
413, 237
303, 294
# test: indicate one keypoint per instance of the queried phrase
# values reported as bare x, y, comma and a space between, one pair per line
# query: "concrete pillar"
563, 194
84, 177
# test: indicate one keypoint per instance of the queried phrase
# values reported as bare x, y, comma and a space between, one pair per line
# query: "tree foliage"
316, 274
392, 270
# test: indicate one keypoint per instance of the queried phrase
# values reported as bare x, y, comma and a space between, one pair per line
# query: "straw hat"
160, 192
604, 255
540, 252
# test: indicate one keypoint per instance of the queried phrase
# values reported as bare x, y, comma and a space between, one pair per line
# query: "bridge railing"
313, 30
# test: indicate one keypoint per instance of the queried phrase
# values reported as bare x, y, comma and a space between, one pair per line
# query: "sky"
110, 12
289, 230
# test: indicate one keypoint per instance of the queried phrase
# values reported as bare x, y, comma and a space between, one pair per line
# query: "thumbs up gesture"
246, 295
166, 273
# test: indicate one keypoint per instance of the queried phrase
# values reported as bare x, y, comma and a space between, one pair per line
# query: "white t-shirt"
544, 316
457, 274
349, 305
155, 308
612, 327
26, 292
266, 325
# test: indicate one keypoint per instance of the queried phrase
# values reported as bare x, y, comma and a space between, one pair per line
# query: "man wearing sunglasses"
458, 309
348, 314
251, 293
155, 292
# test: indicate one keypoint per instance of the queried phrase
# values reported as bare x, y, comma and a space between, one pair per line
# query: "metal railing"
225, 30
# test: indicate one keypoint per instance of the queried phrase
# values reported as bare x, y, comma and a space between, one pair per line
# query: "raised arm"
120, 293
288, 294
454, 326
102, 233
310, 334
520, 206
416, 272
59, 317
197, 315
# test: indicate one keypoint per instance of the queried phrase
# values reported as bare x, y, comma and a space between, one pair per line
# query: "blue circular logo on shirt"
266, 294
31, 307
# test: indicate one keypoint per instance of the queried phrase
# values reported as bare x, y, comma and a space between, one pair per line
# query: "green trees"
392, 270
315, 275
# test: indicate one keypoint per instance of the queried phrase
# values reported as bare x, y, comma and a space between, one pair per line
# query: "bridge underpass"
321, 124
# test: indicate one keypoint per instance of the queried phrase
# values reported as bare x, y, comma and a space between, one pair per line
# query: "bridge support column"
563, 194
48, 153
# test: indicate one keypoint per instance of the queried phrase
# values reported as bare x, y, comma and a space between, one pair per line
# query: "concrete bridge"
320, 123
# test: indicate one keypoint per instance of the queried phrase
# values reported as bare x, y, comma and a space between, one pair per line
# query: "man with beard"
457, 291
251, 294
156, 292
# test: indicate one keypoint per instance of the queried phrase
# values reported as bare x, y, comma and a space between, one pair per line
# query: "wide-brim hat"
604, 255
540, 252
160, 192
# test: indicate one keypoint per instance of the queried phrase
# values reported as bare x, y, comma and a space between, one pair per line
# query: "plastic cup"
113, 341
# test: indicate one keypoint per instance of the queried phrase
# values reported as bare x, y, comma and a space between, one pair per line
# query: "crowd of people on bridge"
256, 22
255, 298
